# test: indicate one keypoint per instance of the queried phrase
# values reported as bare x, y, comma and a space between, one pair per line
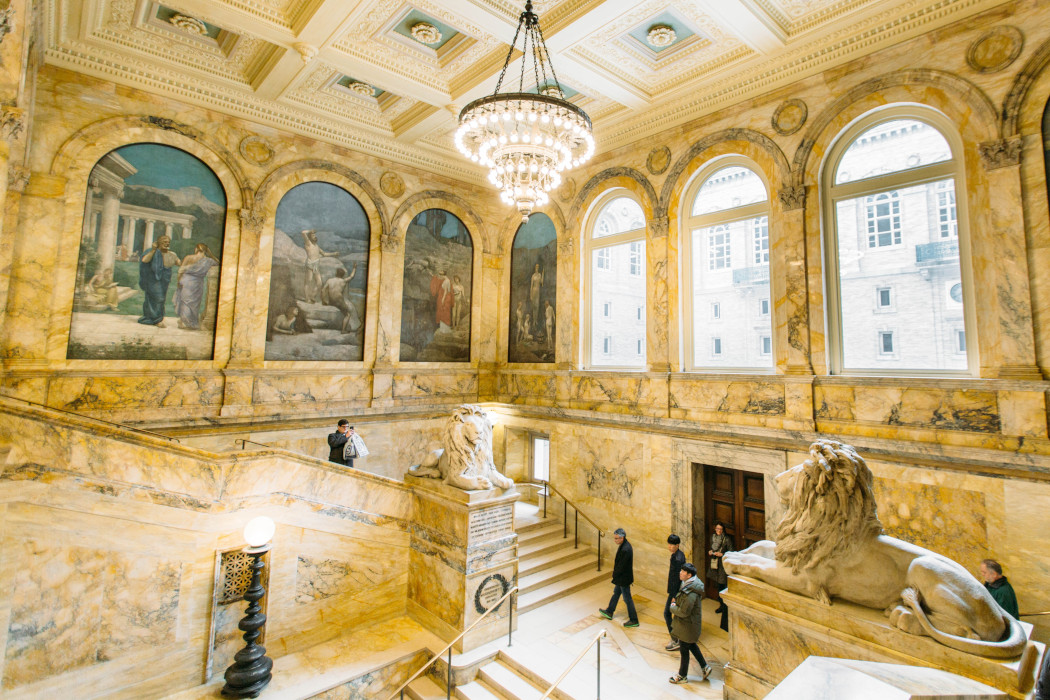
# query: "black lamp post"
251, 670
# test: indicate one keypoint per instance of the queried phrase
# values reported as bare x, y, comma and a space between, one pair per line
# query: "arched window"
614, 297
726, 240
896, 289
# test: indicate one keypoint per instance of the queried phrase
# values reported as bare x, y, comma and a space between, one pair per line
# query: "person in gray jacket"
685, 625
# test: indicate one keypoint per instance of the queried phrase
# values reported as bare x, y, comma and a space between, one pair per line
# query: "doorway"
736, 499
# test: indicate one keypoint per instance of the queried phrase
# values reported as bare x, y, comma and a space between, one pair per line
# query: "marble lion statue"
830, 545
466, 460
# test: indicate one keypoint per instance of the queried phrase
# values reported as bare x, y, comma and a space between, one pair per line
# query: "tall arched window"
896, 288
614, 301
727, 259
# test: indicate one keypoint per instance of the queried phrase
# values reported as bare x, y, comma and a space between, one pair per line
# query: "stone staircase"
548, 566
502, 678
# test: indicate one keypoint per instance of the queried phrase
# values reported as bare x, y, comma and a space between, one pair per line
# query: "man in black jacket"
673, 584
337, 441
622, 578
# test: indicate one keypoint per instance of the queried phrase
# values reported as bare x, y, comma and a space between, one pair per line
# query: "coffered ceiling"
388, 77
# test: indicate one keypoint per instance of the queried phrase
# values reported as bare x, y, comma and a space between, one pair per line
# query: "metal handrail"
565, 519
448, 682
245, 441
1036, 614
575, 661
100, 420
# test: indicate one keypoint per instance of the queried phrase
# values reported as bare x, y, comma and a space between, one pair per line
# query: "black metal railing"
577, 513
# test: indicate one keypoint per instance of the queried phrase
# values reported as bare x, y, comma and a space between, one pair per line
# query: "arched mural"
533, 291
147, 282
435, 299
319, 278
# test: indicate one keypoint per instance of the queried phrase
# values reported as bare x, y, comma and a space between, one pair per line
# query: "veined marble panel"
724, 396
316, 389
617, 393
435, 386
147, 389
925, 407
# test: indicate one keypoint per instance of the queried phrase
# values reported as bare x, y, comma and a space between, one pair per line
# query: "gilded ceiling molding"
1026, 78
1001, 153
674, 177
588, 191
954, 86
272, 179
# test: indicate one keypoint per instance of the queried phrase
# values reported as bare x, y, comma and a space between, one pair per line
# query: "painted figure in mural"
285, 323
519, 316
333, 293
313, 264
549, 311
103, 290
535, 285
192, 284
441, 290
154, 278
458, 293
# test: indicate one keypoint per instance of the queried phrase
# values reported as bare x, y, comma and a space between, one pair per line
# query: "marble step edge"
585, 561
538, 525
533, 677
508, 682
424, 688
539, 533
534, 564
543, 546
477, 690
559, 589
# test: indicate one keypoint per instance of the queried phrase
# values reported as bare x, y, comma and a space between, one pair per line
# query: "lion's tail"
1012, 646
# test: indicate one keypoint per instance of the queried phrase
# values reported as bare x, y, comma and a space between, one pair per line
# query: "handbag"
349, 451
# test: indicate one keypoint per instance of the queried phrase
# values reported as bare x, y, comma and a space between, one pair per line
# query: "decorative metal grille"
236, 576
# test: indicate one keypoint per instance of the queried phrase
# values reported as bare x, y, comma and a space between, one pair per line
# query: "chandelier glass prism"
526, 140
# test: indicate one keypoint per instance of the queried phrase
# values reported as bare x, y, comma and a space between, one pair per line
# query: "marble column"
107, 234
187, 231
86, 231
169, 229
147, 240
247, 341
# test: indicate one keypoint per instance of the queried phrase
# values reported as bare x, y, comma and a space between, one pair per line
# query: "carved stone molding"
995, 49
255, 150
567, 189
306, 52
17, 178
392, 184
792, 198
1002, 153
789, 117
566, 246
251, 219
7, 22
658, 160
12, 121
390, 242
658, 226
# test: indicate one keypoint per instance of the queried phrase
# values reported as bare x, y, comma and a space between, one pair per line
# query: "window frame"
591, 244
689, 224
831, 194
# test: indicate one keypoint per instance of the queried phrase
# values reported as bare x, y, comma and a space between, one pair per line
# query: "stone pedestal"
463, 559
772, 631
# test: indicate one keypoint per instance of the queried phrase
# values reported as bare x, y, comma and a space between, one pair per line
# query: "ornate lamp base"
251, 670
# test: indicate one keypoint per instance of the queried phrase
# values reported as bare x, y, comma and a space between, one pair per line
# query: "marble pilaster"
657, 313
787, 265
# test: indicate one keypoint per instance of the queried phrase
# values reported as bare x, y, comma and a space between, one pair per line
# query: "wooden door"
737, 499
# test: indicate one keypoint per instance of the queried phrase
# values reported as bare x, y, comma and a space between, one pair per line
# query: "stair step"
584, 561
503, 679
559, 589
424, 688
539, 562
477, 690
539, 533
528, 527
547, 544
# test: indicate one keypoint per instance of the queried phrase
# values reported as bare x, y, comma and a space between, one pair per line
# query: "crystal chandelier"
526, 139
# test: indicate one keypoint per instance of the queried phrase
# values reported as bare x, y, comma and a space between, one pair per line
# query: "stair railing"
598, 648
448, 680
100, 420
577, 513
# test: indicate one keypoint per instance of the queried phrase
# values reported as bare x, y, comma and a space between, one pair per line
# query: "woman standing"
720, 544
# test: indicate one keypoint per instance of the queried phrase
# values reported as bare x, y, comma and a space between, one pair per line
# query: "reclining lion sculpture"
830, 545
466, 460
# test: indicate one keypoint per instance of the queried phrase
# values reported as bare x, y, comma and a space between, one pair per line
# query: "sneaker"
675, 645
707, 672
605, 613
631, 623
678, 680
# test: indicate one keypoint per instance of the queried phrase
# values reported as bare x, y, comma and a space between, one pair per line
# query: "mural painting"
435, 301
147, 283
319, 278
533, 292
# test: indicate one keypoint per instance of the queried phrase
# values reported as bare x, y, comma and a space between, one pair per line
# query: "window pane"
624, 292
727, 279
619, 215
541, 458
891, 147
911, 272
729, 188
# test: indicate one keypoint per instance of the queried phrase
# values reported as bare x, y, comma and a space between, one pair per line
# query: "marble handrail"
575, 661
101, 420
451, 644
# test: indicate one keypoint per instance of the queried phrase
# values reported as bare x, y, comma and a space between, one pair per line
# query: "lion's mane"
831, 509
468, 442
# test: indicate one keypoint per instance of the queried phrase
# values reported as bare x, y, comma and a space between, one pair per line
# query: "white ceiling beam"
424, 126
747, 22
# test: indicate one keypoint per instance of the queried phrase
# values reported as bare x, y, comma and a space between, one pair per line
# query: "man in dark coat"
673, 584
999, 587
686, 625
337, 442
622, 578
